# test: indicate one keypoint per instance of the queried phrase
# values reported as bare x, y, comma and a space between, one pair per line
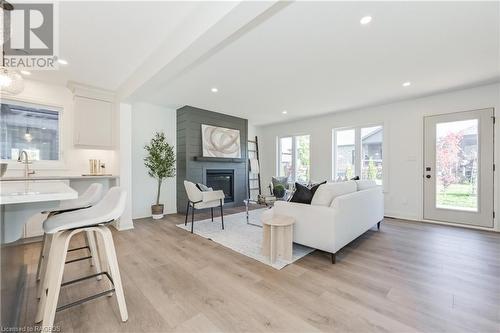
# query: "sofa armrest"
313, 224
212, 195
355, 213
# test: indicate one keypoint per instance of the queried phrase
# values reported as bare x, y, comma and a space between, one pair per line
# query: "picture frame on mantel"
220, 142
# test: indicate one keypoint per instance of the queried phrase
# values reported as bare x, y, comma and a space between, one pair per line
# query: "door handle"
428, 176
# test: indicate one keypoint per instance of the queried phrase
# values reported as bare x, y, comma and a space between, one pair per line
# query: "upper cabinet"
93, 122
93, 117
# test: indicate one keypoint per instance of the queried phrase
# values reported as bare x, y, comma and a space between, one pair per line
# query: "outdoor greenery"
372, 170
303, 156
160, 160
457, 195
348, 172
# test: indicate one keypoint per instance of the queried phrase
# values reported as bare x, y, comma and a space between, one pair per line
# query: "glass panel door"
457, 163
458, 168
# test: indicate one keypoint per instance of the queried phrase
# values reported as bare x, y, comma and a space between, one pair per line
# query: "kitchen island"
14, 195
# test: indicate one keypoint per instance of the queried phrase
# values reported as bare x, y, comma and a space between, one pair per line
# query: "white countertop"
73, 177
29, 191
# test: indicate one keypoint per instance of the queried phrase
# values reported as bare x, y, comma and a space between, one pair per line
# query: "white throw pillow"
327, 192
365, 184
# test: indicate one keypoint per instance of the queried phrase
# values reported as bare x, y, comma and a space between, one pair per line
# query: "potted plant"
279, 191
160, 162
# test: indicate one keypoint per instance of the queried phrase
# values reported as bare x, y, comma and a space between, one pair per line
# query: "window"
358, 151
294, 158
31, 128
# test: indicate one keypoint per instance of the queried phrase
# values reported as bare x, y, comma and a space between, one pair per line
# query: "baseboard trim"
416, 219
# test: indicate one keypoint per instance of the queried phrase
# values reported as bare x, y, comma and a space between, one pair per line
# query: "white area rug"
242, 237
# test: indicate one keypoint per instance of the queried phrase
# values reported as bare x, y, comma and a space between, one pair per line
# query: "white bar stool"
60, 229
88, 199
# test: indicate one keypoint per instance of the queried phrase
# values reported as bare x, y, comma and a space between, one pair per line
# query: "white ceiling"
312, 58
309, 58
105, 41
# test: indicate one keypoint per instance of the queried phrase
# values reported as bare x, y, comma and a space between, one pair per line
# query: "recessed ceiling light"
407, 84
214, 90
284, 111
62, 61
365, 20
26, 72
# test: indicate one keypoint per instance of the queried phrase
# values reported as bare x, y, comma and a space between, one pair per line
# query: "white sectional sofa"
338, 213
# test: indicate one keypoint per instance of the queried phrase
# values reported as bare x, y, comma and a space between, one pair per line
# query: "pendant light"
11, 81
27, 136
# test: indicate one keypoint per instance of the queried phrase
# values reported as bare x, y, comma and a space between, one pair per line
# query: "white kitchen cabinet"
93, 122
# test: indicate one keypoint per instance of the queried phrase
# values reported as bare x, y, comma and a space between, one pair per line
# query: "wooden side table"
277, 237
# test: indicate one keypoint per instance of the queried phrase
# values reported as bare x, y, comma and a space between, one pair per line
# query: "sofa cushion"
365, 184
304, 194
329, 191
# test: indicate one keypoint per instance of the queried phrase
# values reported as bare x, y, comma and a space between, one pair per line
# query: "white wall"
403, 130
75, 160
124, 119
146, 120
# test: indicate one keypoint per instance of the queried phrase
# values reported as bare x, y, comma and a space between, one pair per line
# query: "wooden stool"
277, 237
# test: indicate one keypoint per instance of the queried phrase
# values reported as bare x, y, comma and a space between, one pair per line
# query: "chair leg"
103, 258
90, 236
378, 225
221, 214
192, 219
114, 271
187, 213
55, 278
333, 258
45, 275
45, 263
212, 211
42, 253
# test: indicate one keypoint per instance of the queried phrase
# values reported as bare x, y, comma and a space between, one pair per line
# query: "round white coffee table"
277, 237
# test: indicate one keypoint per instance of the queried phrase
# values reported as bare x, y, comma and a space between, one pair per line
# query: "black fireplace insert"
221, 179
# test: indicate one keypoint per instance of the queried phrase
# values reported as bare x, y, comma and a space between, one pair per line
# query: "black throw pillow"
304, 194
202, 187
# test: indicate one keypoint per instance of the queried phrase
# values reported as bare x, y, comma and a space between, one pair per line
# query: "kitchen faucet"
27, 171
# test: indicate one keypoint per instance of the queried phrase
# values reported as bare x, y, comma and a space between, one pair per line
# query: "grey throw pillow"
280, 180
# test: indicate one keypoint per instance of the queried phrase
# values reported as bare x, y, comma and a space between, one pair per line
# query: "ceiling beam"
207, 31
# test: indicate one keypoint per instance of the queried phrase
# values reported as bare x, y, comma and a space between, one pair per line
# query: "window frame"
294, 155
358, 148
40, 164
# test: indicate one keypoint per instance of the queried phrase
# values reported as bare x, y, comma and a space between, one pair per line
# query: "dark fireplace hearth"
221, 179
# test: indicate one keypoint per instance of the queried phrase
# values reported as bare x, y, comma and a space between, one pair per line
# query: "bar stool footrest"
84, 300
89, 298
78, 259
79, 248
86, 278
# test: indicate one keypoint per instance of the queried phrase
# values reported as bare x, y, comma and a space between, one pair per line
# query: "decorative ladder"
253, 152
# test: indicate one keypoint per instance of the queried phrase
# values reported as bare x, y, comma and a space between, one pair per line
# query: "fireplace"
221, 179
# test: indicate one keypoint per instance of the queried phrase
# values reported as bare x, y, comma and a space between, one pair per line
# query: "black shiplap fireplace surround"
193, 166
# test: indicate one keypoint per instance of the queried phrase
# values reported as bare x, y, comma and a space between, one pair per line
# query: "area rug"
242, 237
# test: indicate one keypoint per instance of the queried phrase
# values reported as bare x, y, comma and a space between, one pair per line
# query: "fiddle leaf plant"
160, 160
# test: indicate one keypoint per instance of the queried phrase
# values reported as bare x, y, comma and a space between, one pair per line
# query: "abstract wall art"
220, 142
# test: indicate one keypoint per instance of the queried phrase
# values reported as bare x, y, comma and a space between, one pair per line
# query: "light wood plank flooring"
407, 277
